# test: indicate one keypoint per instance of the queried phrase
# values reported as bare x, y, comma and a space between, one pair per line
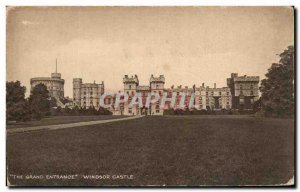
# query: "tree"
16, 104
39, 101
278, 87
75, 111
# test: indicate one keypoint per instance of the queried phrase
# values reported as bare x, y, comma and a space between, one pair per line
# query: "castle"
54, 84
241, 92
206, 97
87, 94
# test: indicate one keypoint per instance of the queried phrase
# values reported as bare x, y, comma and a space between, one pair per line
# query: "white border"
4, 3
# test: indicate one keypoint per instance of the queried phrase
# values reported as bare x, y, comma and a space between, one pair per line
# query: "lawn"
54, 120
165, 150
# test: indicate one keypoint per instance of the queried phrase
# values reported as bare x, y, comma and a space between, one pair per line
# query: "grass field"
61, 120
166, 150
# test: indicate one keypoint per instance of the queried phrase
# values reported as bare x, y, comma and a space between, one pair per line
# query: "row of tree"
19, 108
77, 111
39, 104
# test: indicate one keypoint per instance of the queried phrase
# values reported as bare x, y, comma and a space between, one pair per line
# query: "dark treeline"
76, 111
38, 105
211, 112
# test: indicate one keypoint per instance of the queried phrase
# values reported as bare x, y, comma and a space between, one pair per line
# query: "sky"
188, 45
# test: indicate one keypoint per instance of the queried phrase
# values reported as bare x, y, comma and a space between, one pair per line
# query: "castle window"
129, 86
156, 86
220, 93
129, 110
132, 92
251, 92
91, 93
251, 86
84, 93
206, 92
227, 93
212, 93
241, 86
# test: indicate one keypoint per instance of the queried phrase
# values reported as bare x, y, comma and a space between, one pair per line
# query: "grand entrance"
217, 102
144, 110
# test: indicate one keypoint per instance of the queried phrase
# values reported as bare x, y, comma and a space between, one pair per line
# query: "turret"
130, 83
77, 82
157, 83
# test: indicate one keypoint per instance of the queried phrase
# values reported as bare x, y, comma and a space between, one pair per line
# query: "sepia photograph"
150, 96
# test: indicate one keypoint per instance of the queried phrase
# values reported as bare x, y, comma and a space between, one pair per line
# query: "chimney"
215, 85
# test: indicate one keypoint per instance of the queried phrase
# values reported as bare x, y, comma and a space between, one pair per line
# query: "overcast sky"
189, 45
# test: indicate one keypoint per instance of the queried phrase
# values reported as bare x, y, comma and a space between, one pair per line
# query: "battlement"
160, 79
132, 79
55, 75
246, 78
143, 88
77, 80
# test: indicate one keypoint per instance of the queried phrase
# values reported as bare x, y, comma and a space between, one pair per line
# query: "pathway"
66, 125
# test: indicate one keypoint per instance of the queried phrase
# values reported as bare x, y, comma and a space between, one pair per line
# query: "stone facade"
244, 90
86, 95
213, 98
132, 87
205, 97
54, 84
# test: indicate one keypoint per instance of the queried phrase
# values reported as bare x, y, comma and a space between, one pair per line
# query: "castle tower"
77, 82
56, 75
157, 83
130, 84
157, 86
244, 90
